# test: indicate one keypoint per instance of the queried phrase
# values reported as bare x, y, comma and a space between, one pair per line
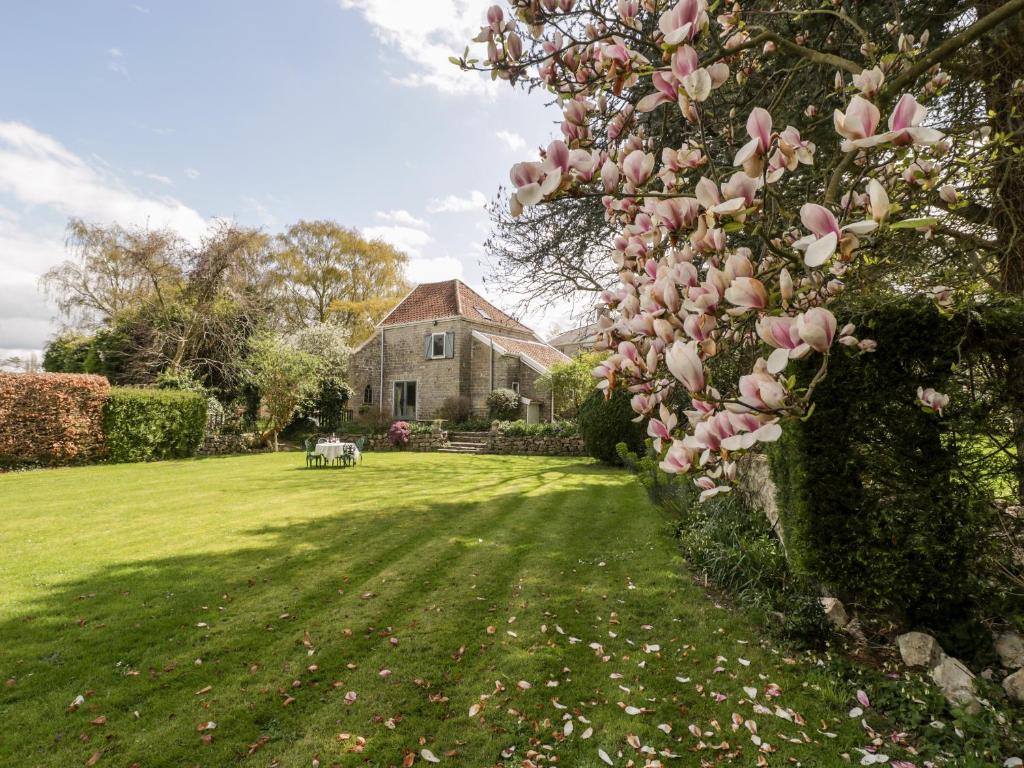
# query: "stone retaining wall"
427, 441
535, 445
217, 445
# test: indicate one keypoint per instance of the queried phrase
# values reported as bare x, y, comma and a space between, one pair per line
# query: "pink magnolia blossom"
747, 293
817, 328
826, 234
858, 123
678, 459
759, 128
683, 21
684, 363
638, 167
904, 125
929, 398
666, 91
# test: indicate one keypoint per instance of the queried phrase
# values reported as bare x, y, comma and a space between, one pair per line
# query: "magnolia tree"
733, 233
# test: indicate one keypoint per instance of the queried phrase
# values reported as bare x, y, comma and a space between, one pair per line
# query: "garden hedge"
51, 418
871, 489
153, 424
605, 423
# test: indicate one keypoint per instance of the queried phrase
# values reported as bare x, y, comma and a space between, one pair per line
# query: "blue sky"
173, 112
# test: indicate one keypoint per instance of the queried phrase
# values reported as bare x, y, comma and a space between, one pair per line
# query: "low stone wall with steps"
535, 445
427, 441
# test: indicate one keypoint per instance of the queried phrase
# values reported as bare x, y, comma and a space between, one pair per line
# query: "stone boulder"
1010, 647
1014, 686
835, 612
957, 683
919, 649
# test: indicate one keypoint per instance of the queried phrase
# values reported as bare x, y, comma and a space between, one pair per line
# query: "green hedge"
869, 489
153, 424
522, 429
605, 423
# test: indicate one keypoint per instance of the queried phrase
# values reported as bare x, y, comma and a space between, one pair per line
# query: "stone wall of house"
507, 370
427, 441
534, 445
466, 374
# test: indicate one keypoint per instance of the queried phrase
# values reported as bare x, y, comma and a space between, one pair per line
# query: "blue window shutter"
426, 346
449, 344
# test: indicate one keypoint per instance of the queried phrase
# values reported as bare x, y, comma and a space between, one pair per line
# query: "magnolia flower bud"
948, 194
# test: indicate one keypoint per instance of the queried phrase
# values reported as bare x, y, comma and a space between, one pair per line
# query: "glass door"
405, 400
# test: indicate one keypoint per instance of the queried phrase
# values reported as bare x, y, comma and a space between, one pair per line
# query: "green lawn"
256, 595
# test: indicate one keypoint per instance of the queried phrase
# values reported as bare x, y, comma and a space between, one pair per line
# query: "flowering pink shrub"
399, 434
710, 261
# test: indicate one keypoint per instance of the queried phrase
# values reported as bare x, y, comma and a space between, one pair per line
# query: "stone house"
445, 340
577, 340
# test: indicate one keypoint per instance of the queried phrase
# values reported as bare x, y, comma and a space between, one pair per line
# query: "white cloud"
115, 61
37, 170
154, 177
406, 239
512, 140
402, 218
264, 215
42, 183
474, 201
432, 270
141, 8
191, 173
426, 33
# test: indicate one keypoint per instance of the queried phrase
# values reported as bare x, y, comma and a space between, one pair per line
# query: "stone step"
466, 444
461, 449
468, 437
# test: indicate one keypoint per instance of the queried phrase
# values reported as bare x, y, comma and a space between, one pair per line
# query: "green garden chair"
312, 457
348, 455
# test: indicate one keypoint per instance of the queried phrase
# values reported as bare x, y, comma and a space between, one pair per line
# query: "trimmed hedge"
605, 423
522, 429
51, 418
153, 424
871, 498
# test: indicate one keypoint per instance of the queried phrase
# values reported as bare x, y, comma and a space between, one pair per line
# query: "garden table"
335, 450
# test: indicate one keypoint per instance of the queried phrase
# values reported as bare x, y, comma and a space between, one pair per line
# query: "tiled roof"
575, 336
541, 353
452, 298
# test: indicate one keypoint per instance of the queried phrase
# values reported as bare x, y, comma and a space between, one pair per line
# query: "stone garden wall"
428, 441
535, 445
220, 445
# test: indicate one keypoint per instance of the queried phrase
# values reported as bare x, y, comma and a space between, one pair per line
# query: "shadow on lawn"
132, 633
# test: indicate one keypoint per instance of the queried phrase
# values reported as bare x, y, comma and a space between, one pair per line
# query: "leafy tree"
572, 382
326, 342
326, 272
66, 353
284, 376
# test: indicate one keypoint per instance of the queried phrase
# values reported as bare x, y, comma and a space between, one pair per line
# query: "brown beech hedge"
51, 418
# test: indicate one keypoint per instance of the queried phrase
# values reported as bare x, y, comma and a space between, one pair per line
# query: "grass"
256, 595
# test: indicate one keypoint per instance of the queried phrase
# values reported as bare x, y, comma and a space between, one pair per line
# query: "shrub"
870, 488
456, 409
503, 404
521, 429
604, 423
153, 424
399, 434
51, 418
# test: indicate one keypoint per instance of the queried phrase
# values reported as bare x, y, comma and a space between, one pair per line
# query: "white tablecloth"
332, 451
